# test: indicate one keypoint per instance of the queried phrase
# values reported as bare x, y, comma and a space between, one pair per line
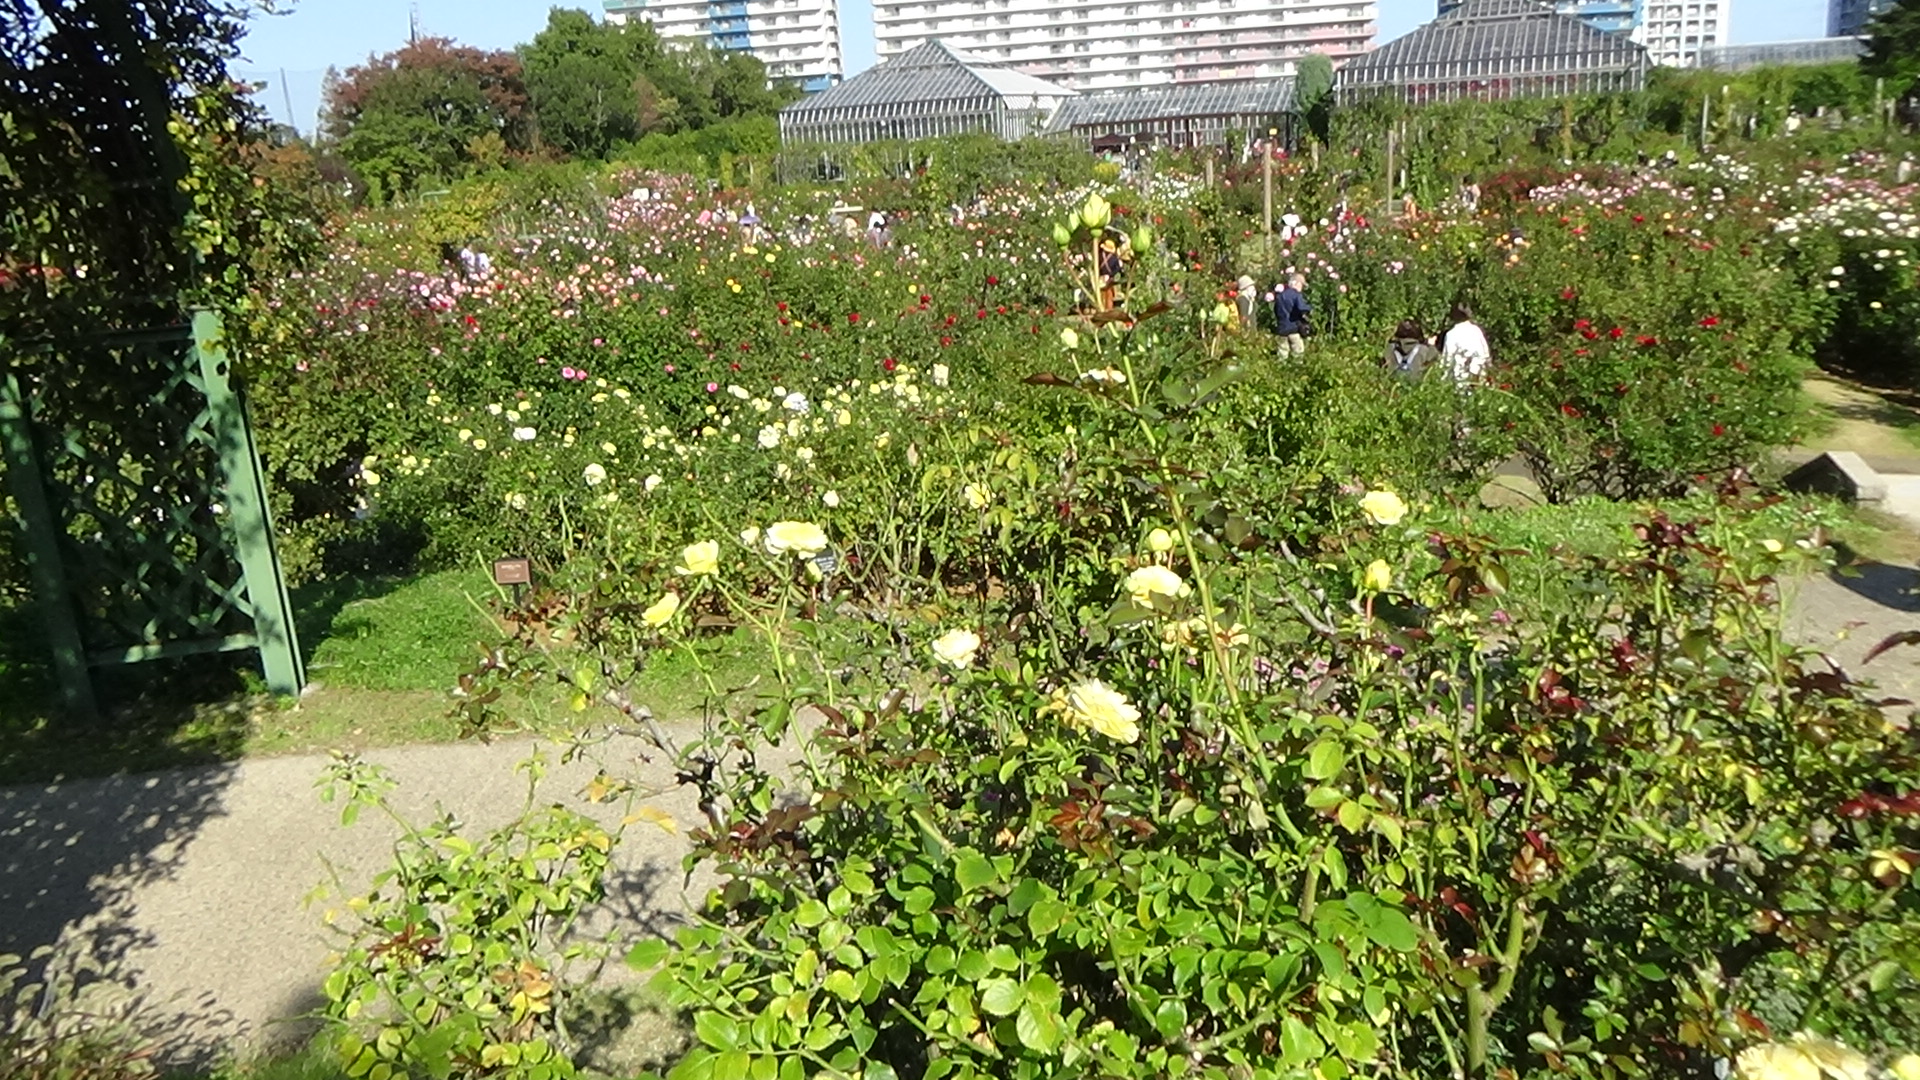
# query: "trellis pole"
53, 600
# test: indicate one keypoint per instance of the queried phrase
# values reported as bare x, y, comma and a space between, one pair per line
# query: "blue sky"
319, 34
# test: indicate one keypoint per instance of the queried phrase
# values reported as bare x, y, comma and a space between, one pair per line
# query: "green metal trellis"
146, 528
129, 455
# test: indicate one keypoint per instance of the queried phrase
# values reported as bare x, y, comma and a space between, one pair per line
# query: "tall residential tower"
1091, 45
796, 39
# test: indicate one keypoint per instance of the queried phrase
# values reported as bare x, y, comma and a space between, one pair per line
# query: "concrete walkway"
190, 885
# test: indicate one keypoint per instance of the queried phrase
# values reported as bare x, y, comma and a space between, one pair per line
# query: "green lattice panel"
144, 543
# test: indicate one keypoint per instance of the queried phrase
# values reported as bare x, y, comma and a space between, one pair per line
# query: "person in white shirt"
1463, 348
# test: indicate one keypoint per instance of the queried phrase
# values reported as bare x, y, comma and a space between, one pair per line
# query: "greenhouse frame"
1490, 50
1197, 114
927, 91
1833, 50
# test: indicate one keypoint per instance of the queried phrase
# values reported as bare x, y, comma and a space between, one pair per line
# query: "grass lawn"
382, 656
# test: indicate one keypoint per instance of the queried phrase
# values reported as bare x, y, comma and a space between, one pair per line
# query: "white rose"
956, 648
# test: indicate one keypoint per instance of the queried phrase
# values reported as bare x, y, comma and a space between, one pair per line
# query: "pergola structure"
1197, 114
927, 91
1490, 50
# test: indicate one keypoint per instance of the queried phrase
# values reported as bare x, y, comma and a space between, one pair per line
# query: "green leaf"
1038, 1029
1325, 759
940, 960
973, 966
1353, 816
841, 985
717, 1031
1044, 992
1170, 1020
1882, 975
1390, 928
648, 954
1003, 957
1001, 996
972, 871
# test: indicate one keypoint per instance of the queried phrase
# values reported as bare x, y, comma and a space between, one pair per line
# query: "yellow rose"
1907, 1067
700, 558
594, 474
1159, 541
1069, 337
1383, 507
1836, 1062
1775, 1061
956, 648
1379, 576
1094, 704
977, 496
1148, 581
800, 537
662, 610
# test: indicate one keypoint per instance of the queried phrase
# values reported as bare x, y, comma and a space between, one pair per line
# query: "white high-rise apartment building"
1115, 44
795, 39
1674, 31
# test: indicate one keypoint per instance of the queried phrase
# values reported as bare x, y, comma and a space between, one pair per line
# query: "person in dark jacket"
1290, 312
1408, 354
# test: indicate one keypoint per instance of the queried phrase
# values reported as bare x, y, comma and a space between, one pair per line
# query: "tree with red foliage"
426, 109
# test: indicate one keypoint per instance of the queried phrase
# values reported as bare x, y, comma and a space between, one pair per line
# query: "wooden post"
1706, 102
1389, 205
1266, 179
1209, 171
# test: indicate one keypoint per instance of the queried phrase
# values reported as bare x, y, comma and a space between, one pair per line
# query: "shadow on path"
1893, 587
73, 855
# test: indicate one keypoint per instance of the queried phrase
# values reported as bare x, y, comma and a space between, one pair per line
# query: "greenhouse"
1494, 49
1199, 114
1833, 50
927, 91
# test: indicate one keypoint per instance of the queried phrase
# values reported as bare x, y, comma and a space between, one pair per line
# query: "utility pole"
286, 96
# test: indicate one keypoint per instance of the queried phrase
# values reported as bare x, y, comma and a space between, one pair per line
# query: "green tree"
1313, 93
417, 111
586, 80
1893, 46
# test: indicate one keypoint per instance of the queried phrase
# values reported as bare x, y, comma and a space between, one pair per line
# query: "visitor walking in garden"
1245, 299
1290, 315
1463, 347
1408, 354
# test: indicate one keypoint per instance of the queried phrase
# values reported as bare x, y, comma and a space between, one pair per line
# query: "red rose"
1643, 339
1569, 410
1719, 430
854, 317
1616, 333
1711, 320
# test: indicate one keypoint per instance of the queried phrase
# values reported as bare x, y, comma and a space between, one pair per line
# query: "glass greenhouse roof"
1494, 39
1125, 107
931, 72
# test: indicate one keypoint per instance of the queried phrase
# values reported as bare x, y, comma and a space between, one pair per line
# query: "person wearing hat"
1246, 299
